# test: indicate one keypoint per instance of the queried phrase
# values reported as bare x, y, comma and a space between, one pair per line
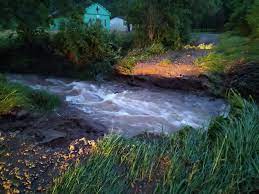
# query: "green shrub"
122, 41
84, 45
189, 161
88, 47
156, 49
213, 62
126, 65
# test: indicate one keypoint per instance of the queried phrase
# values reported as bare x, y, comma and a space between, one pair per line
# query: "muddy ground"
37, 147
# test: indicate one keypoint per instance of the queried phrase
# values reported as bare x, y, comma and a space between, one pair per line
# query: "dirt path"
35, 148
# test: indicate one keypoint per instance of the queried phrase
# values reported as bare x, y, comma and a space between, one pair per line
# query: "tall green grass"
224, 159
232, 50
13, 95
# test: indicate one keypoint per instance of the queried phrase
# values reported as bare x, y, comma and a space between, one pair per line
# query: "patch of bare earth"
173, 70
36, 148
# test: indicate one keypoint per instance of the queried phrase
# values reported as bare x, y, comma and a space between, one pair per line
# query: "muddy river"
130, 110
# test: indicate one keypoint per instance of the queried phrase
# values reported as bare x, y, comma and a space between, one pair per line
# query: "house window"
105, 23
97, 9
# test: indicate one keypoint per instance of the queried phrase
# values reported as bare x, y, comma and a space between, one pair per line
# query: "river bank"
39, 146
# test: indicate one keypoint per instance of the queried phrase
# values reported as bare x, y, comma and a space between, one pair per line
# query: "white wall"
118, 24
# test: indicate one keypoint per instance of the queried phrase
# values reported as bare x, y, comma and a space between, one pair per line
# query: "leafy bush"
122, 41
126, 65
84, 45
189, 161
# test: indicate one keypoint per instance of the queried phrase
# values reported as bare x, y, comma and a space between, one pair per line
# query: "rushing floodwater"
131, 111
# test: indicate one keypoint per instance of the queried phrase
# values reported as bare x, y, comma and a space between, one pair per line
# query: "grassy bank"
13, 96
234, 63
232, 50
225, 159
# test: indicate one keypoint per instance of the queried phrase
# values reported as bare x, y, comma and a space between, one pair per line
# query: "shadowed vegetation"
224, 158
13, 96
236, 60
231, 50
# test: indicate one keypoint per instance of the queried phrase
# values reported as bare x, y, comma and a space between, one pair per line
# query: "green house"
97, 13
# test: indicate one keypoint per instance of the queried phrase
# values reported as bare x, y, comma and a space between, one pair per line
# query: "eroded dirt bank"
177, 69
173, 70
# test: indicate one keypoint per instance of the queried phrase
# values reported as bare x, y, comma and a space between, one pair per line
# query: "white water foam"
130, 112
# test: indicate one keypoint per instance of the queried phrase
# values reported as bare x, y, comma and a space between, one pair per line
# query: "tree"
238, 11
167, 21
30, 14
253, 19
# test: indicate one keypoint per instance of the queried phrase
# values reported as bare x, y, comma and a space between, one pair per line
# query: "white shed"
120, 25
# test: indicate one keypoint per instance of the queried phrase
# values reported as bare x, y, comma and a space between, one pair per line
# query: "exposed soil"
172, 64
35, 148
173, 70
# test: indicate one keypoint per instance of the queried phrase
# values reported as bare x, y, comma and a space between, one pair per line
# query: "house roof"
99, 6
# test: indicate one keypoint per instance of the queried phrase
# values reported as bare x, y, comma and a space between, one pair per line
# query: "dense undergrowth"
15, 96
235, 64
75, 51
224, 159
232, 50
